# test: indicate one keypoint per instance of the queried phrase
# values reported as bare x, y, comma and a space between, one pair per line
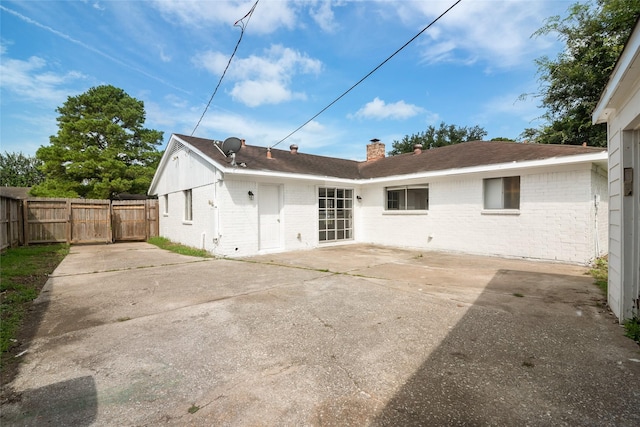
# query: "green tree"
101, 148
437, 137
529, 135
18, 170
594, 35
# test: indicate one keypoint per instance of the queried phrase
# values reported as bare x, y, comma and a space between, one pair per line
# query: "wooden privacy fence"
11, 230
47, 220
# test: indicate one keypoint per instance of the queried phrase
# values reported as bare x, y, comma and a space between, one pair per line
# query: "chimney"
375, 150
417, 149
243, 142
293, 148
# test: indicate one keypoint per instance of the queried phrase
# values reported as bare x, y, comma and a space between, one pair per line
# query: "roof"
281, 160
469, 154
15, 192
457, 156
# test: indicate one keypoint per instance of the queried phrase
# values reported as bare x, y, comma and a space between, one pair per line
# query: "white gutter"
554, 161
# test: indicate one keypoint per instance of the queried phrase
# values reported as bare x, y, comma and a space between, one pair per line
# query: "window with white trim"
188, 207
335, 214
502, 193
408, 198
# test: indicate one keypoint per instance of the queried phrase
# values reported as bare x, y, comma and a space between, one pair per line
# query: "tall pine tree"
101, 148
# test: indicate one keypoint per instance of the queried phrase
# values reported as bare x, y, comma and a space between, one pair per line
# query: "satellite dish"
231, 145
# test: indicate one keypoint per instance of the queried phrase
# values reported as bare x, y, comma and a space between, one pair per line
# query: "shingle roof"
468, 154
281, 160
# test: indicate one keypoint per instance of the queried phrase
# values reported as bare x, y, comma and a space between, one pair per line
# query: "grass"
164, 243
632, 329
23, 273
600, 272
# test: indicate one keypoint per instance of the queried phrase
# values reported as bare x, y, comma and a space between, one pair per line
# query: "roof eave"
611, 92
599, 157
165, 156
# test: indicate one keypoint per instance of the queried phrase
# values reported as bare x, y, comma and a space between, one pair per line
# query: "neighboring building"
619, 107
494, 198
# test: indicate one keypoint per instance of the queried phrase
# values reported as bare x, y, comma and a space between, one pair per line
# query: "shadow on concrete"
506, 362
12, 358
67, 403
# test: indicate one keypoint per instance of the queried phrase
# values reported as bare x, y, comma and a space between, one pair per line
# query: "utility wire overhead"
243, 25
370, 73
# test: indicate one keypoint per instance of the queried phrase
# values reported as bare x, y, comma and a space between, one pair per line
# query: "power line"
371, 72
243, 25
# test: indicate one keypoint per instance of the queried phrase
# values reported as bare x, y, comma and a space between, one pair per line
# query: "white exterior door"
269, 211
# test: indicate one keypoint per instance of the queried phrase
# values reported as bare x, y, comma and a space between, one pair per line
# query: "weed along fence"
47, 220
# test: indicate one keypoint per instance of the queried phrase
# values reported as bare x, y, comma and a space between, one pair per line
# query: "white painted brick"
555, 221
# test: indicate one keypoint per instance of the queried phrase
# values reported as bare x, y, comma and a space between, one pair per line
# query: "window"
335, 214
408, 198
502, 193
165, 199
188, 207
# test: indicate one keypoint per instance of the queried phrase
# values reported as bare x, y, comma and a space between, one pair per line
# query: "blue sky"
294, 59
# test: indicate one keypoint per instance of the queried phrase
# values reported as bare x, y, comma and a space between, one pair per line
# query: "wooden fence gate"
89, 220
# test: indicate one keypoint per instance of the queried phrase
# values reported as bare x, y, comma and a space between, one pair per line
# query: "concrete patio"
345, 335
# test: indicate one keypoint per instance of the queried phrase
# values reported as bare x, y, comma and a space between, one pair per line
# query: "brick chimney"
375, 150
293, 148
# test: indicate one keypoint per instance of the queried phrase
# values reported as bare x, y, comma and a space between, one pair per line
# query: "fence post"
25, 221
21, 223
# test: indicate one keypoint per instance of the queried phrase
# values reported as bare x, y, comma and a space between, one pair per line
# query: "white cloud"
262, 79
494, 31
163, 56
323, 15
378, 109
271, 15
255, 93
180, 116
31, 80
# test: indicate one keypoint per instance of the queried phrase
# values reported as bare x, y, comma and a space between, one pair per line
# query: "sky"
295, 58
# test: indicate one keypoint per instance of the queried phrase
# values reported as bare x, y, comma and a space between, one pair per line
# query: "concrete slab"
349, 335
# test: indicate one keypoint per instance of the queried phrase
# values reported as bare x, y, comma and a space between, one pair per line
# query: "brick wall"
555, 220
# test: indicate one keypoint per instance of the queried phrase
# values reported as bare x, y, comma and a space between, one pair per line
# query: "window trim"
329, 214
508, 210
188, 206
405, 210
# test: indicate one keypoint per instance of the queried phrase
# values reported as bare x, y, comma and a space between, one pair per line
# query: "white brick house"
619, 107
496, 198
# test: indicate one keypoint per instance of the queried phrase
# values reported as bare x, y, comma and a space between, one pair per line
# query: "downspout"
596, 202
